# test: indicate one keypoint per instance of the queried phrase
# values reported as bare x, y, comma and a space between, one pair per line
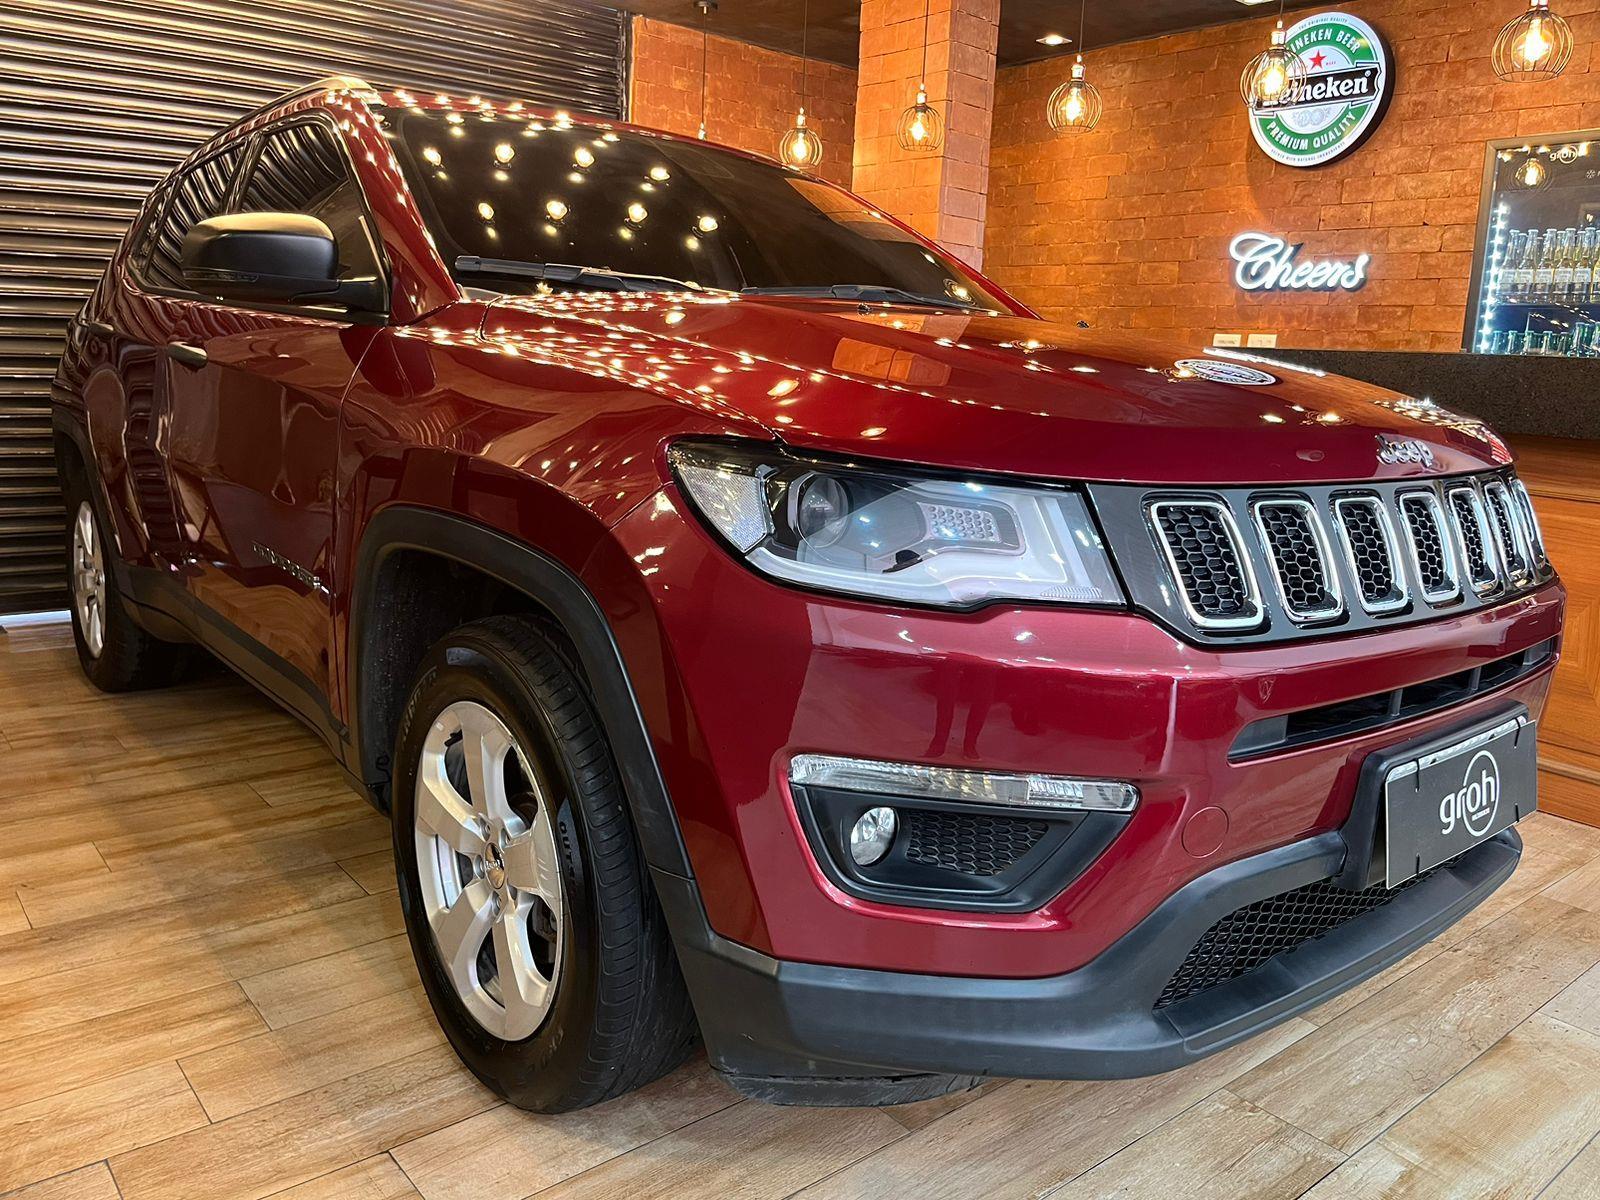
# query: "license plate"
1448, 800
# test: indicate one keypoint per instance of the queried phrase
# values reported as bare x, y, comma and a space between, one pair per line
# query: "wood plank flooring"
205, 992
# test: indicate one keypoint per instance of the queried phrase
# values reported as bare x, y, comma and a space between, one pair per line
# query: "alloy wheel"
490, 876
89, 580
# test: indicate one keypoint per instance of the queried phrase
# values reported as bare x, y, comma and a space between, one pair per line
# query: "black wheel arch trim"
551, 584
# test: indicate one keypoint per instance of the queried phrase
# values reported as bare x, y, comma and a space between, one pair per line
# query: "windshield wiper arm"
573, 275
871, 293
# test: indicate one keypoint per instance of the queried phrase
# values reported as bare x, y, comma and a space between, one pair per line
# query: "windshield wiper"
572, 275
871, 293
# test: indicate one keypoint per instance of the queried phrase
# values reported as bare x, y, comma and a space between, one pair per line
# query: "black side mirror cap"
282, 258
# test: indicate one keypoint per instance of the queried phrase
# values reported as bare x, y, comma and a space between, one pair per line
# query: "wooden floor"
205, 992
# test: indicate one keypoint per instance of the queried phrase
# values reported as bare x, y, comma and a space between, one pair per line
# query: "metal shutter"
100, 98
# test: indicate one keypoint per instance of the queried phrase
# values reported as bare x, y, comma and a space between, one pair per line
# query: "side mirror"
284, 258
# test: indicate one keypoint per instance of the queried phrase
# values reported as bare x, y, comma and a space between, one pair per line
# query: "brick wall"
1128, 227
751, 97
941, 195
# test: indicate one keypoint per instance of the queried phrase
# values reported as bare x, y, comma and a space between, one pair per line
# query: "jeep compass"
764, 631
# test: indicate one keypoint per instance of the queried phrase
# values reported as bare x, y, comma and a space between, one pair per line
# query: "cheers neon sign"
1265, 263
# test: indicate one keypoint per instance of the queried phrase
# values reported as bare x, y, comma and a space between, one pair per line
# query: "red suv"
763, 629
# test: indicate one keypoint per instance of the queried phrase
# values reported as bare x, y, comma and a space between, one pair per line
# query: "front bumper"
802, 1032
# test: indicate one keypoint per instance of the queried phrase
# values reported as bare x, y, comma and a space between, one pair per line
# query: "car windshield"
498, 188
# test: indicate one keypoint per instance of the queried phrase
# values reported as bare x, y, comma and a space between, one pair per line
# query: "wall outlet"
1263, 341
1227, 339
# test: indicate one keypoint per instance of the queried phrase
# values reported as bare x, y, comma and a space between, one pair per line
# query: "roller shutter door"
98, 100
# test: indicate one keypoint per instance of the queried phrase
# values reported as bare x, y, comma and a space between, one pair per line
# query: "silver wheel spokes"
491, 882
89, 580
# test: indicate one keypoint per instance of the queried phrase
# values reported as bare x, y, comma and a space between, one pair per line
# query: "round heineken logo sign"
1347, 85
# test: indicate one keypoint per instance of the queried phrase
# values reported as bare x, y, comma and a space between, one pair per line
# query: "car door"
255, 396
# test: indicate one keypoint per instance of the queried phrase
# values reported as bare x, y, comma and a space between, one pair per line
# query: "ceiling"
834, 23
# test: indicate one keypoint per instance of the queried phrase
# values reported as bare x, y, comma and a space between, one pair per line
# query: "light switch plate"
1227, 339
1263, 341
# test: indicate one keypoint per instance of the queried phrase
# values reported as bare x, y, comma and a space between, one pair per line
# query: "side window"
201, 191
301, 170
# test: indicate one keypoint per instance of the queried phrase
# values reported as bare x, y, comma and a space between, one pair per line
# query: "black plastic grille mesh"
1208, 561
1466, 515
1248, 937
1500, 507
1428, 537
1369, 548
1298, 558
970, 843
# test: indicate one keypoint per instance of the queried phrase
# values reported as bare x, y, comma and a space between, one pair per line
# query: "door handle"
190, 356
98, 328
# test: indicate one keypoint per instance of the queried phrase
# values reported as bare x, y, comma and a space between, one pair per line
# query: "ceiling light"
1533, 47
1053, 39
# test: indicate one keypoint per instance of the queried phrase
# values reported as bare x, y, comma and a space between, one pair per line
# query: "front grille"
1203, 548
1320, 558
1432, 554
1298, 554
968, 843
1250, 936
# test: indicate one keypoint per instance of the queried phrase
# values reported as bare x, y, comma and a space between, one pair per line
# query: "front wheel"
532, 920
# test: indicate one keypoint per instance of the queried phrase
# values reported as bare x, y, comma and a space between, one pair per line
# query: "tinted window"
201, 191
300, 169
510, 186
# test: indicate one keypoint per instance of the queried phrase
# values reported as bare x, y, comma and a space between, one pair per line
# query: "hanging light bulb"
1075, 106
921, 126
1534, 47
706, 8
1532, 174
1274, 74
799, 146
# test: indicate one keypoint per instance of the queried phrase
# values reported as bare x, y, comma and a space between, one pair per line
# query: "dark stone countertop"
1526, 394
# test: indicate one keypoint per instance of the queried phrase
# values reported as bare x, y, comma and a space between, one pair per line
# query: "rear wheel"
536, 933
115, 653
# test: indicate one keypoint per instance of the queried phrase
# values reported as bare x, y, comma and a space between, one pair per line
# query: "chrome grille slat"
1515, 556
1433, 553
1478, 545
1372, 552
1300, 560
1535, 534
1209, 561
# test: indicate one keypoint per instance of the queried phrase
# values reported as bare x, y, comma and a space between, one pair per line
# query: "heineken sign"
1347, 85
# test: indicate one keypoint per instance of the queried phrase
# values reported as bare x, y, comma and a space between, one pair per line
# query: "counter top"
1515, 394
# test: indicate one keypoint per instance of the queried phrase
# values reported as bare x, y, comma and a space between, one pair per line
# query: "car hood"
993, 392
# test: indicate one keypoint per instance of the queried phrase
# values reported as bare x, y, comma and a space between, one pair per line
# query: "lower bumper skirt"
815, 1034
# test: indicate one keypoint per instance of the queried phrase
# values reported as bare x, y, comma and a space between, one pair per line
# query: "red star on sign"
1318, 59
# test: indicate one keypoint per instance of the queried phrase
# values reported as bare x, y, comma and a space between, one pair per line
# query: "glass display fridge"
1537, 275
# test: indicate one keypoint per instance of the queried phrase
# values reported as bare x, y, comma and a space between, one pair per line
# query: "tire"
115, 653
596, 1004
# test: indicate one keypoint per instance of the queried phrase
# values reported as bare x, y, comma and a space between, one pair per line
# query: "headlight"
895, 534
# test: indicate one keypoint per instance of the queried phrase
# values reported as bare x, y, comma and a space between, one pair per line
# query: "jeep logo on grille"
1475, 805
1392, 451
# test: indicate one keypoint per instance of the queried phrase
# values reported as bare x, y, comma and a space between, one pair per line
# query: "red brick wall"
940, 195
1128, 227
751, 97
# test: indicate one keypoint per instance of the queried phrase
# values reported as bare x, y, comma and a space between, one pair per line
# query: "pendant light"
1075, 106
921, 126
1534, 47
800, 146
1273, 74
706, 7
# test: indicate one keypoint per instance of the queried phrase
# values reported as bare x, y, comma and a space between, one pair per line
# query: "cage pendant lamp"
1075, 106
1534, 46
800, 146
1275, 73
921, 127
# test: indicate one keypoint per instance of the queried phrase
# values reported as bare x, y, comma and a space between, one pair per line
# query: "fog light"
872, 836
